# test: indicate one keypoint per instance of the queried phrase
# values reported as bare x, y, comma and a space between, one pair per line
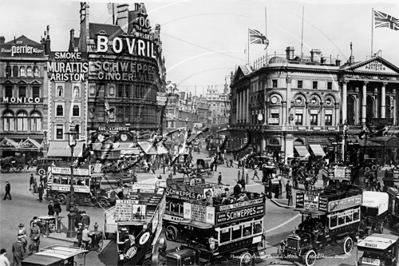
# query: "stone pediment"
376, 65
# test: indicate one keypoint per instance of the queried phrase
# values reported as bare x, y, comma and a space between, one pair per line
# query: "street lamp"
72, 134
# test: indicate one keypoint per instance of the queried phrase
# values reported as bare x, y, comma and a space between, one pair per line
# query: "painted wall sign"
185, 195
67, 66
238, 214
123, 70
375, 67
133, 46
21, 100
17, 50
67, 171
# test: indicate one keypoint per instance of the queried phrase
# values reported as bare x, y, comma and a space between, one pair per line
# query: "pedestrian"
51, 208
231, 163
237, 189
57, 207
220, 178
78, 218
8, 190
40, 190
34, 185
85, 237
17, 252
79, 233
243, 183
3, 258
41, 179
255, 174
85, 218
31, 181
22, 233
215, 163
34, 237
134, 177
287, 188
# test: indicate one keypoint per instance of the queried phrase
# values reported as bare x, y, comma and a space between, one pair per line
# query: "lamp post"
71, 199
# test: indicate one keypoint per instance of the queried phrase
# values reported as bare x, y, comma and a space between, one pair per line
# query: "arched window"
350, 111
22, 121
23, 73
29, 72
8, 121
36, 122
370, 108
15, 71
36, 72
8, 71
60, 110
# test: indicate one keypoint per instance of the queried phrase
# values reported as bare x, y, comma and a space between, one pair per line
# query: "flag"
382, 20
255, 37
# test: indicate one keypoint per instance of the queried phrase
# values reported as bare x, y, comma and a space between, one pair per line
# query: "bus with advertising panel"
211, 232
330, 223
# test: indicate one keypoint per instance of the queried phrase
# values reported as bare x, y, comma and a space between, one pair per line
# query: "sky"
205, 40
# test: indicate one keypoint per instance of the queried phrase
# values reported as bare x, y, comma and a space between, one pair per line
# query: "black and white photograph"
198, 132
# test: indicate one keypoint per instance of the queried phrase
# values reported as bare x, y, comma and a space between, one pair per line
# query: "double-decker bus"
212, 232
330, 222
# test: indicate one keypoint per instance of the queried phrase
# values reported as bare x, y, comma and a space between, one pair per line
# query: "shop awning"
62, 149
161, 149
302, 151
317, 150
148, 148
8, 143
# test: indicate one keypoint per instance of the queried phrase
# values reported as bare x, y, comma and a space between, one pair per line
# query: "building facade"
297, 106
23, 96
219, 105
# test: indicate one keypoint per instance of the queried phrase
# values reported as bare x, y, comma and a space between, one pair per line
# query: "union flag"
382, 20
255, 37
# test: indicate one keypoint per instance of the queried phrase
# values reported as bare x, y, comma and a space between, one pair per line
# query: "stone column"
306, 115
284, 114
247, 106
266, 114
336, 115
344, 101
383, 99
364, 102
239, 107
288, 99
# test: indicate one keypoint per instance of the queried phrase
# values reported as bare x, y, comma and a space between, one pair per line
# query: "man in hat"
31, 181
79, 234
22, 233
50, 207
85, 237
17, 252
8, 190
85, 218
34, 237
220, 178
41, 191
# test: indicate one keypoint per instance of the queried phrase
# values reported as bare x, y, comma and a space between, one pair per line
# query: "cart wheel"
103, 203
246, 259
19, 168
348, 245
61, 198
171, 233
6, 168
100, 246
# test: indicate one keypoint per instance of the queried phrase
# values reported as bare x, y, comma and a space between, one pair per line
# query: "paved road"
279, 222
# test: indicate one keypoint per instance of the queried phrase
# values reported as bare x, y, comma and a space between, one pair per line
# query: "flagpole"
267, 61
303, 15
248, 49
372, 30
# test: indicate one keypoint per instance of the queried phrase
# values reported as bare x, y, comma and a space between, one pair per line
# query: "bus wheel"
171, 233
41, 171
61, 198
348, 245
310, 258
103, 203
246, 259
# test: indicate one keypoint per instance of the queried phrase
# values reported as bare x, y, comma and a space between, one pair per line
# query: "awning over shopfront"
317, 150
30, 144
302, 151
8, 143
62, 149
147, 148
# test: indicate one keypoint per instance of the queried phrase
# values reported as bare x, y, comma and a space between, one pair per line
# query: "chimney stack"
123, 17
337, 62
290, 52
2, 40
315, 55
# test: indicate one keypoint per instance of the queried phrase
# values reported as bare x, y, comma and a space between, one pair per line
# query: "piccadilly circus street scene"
198, 132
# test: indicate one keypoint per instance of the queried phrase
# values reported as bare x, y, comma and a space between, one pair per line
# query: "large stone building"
219, 105
299, 106
23, 95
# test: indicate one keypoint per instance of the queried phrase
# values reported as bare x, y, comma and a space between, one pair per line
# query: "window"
127, 114
328, 120
35, 92
59, 110
333, 221
120, 91
76, 91
23, 73
22, 121
8, 71
22, 91
298, 119
127, 91
236, 232
300, 84
29, 72
329, 85
59, 131
15, 71
8, 92
36, 72
8, 121
36, 122
76, 110
92, 90
274, 83
120, 113
314, 84
225, 235
112, 90
313, 119
77, 128
60, 90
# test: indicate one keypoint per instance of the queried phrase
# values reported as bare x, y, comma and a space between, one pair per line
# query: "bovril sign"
21, 100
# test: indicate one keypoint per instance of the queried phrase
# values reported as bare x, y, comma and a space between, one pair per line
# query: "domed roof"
277, 59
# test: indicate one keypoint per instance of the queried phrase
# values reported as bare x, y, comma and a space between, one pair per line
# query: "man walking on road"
31, 181
255, 174
8, 190
220, 178
40, 190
